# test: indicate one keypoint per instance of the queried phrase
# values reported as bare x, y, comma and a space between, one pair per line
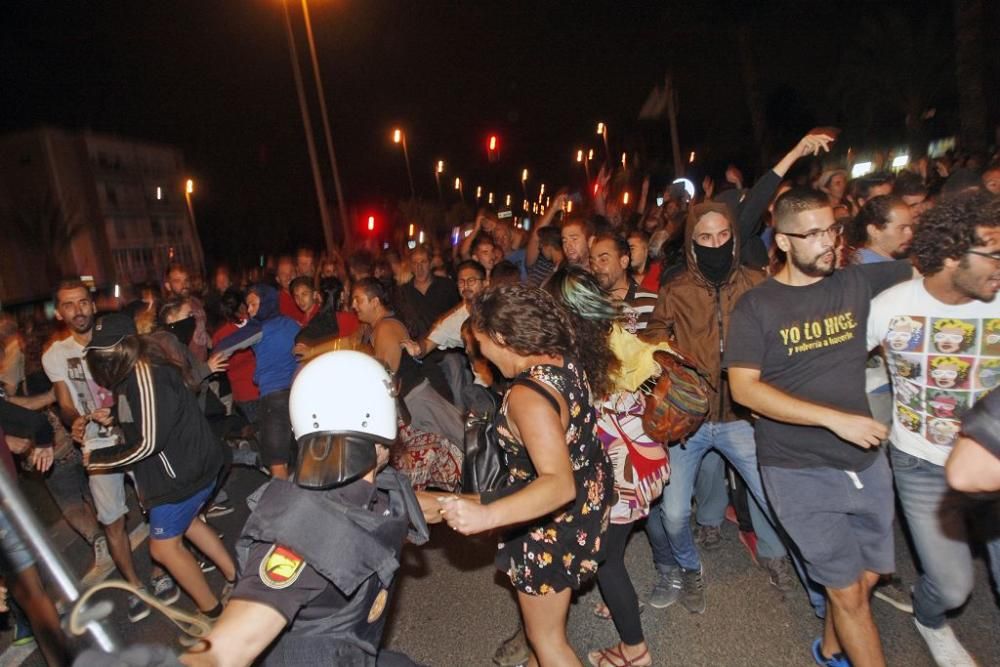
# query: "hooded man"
693, 310
272, 337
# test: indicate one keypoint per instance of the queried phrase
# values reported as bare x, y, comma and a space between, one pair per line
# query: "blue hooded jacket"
272, 337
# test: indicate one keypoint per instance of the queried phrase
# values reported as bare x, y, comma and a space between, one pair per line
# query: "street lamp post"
602, 130
324, 211
585, 159
195, 238
438, 170
341, 204
399, 137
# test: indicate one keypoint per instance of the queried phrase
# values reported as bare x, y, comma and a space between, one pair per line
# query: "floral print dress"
562, 549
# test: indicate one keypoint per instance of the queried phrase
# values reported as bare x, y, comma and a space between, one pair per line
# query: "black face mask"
183, 329
715, 263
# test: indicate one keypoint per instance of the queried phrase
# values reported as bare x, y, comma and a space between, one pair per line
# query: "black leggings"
616, 586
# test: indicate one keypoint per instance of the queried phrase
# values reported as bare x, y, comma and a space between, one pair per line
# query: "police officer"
319, 554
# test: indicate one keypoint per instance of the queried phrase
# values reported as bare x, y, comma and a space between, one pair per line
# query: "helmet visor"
327, 460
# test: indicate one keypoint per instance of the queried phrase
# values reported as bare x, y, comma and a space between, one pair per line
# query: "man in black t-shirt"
796, 353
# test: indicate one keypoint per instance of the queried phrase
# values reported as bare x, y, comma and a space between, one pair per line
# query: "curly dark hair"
948, 230
592, 312
875, 212
524, 319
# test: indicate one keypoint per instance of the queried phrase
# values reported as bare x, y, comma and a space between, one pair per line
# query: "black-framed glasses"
834, 230
468, 282
995, 256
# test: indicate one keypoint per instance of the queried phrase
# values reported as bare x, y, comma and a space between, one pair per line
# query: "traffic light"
371, 223
493, 148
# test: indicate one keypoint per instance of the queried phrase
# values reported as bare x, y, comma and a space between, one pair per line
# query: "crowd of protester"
844, 328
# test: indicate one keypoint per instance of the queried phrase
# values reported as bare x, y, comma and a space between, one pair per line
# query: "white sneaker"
944, 646
102, 556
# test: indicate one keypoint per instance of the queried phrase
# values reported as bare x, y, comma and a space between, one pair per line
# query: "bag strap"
531, 384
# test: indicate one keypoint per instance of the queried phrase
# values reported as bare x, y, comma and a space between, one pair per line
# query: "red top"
241, 367
651, 281
287, 307
347, 323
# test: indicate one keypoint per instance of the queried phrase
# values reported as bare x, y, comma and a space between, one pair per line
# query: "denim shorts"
173, 519
840, 529
15, 557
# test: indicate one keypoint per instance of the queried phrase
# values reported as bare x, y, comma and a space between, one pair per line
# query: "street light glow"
159, 193
625, 198
479, 192
590, 154
524, 175
541, 190
623, 159
440, 167
189, 187
691, 157
601, 129
507, 201
411, 229
860, 169
397, 135
490, 198
579, 156
493, 142
371, 223
458, 183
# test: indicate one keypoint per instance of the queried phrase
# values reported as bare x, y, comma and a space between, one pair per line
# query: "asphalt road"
452, 608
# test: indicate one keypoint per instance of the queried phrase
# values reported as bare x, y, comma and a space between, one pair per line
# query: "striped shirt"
639, 305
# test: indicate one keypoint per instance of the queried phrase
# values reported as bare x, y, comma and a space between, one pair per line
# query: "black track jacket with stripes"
168, 444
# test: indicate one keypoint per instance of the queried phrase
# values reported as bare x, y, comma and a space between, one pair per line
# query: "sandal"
614, 656
602, 612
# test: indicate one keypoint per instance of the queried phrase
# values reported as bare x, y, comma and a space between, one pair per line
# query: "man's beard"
82, 328
815, 268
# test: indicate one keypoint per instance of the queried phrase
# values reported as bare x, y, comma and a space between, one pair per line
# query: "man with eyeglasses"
957, 246
447, 331
796, 354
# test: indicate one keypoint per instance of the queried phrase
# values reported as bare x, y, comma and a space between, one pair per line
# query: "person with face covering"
693, 311
167, 444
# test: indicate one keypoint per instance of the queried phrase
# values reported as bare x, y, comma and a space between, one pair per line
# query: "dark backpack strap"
531, 384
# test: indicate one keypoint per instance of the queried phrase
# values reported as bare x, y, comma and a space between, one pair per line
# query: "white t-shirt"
943, 359
447, 331
63, 362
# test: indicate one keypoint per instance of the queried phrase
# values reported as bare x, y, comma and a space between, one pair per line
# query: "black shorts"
275, 429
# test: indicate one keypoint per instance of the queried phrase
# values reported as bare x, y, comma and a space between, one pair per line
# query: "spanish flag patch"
280, 567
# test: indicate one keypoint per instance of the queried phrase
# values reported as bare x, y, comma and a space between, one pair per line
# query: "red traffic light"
371, 223
493, 142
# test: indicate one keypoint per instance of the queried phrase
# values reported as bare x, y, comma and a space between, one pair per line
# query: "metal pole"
341, 205
409, 173
324, 212
23, 519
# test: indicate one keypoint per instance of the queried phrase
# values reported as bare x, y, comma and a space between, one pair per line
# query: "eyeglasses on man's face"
995, 256
833, 231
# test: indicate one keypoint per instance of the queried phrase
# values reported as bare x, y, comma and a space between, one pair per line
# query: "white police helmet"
341, 404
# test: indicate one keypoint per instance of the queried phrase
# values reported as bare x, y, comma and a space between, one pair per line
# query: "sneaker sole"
172, 599
901, 606
138, 617
661, 606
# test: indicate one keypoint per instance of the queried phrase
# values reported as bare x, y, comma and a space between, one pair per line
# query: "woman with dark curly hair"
640, 463
555, 505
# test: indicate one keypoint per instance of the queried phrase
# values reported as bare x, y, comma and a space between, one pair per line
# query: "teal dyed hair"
580, 292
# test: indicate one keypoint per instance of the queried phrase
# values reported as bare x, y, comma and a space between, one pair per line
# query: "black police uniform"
326, 561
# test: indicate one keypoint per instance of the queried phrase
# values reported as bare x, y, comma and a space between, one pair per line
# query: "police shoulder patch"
280, 567
378, 606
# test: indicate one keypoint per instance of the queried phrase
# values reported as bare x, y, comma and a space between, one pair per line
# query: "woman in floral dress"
554, 508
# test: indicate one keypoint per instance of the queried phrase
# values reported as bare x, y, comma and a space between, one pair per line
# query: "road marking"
15, 656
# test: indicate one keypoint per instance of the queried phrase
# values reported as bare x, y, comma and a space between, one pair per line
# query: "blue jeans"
937, 517
669, 523
710, 490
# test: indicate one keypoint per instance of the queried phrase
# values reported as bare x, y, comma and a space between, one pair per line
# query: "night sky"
214, 78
